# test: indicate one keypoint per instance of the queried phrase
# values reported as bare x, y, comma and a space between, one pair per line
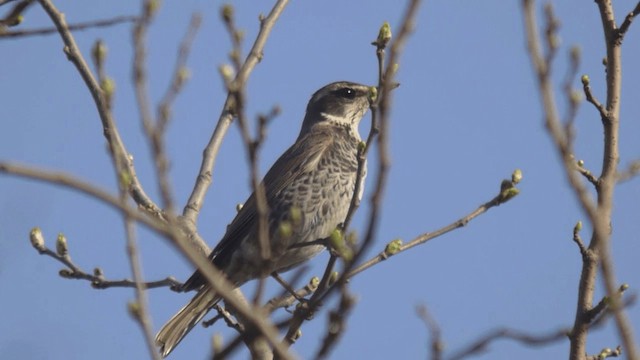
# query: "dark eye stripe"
347, 93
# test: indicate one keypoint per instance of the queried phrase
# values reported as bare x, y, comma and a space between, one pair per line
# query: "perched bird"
308, 191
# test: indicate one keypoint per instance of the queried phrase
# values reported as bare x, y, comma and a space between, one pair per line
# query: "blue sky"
466, 115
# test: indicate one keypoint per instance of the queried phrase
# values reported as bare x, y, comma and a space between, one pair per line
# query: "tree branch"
194, 204
122, 160
72, 27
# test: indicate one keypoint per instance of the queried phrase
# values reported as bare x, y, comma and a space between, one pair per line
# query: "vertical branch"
611, 157
598, 251
139, 310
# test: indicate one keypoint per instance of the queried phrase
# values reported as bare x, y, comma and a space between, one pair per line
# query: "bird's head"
340, 103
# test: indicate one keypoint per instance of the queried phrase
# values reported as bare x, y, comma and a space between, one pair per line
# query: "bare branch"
122, 160
599, 214
154, 135
480, 345
437, 345
14, 17
139, 309
194, 204
97, 278
586, 173
526, 338
507, 192
592, 99
627, 22
632, 170
252, 144
72, 27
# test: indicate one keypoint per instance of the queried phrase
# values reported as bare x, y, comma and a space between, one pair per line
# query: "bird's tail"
181, 323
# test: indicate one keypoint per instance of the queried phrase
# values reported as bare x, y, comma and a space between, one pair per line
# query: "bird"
308, 190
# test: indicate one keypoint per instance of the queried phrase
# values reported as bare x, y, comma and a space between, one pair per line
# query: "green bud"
97, 272
125, 178
624, 287
578, 227
285, 230
333, 277
134, 310
507, 190
152, 6
239, 206
585, 80
16, 20
605, 353
394, 68
384, 35
580, 163
61, 245
227, 73
336, 240
297, 335
36, 238
338, 245
108, 86
373, 93
184, 74
314, 282
362, 146
65, 273
99, 51
216, 343
393, 247
576, 97
516, 177
227, 13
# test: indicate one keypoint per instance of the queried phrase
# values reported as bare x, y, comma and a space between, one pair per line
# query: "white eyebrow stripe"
334, 118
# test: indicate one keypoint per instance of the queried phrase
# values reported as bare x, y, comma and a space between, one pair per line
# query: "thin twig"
627, 22
252, 144
506, 193
72, 27
154, 135
97, 279
599, 215
632, 170
437, 345
140, 309
527, 338
592, 99
123, 162
203, 181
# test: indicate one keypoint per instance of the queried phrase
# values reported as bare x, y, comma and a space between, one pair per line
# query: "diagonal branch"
123, 162
204, 179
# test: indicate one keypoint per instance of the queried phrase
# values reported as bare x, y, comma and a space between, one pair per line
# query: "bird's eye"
347, 93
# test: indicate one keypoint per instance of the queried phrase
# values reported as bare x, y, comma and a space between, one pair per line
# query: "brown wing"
301, 157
